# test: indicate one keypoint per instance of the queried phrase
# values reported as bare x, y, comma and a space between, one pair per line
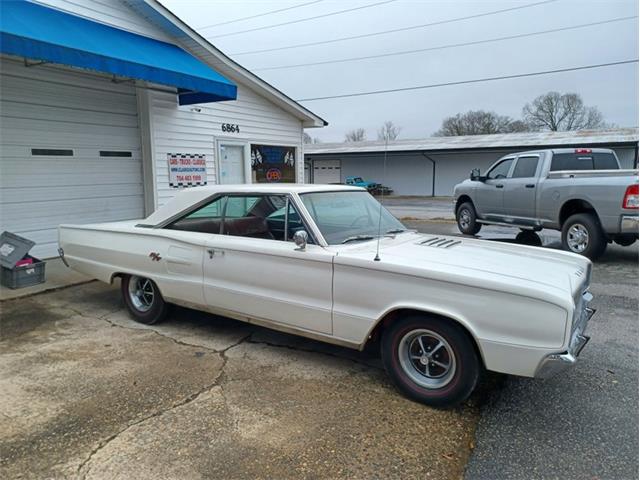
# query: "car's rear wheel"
467, 219
143, 299
582, 234
430, 360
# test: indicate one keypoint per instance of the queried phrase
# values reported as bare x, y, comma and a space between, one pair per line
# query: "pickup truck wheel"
143, 299
529, 237
625, 240
581, 233
466, 218
429, 360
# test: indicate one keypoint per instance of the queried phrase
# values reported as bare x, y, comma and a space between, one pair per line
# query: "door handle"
530, 185
499, 186
213, 252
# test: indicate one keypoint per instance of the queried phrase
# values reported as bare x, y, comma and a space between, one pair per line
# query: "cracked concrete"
85, 392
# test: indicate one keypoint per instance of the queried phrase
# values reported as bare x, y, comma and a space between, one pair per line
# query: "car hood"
519, 269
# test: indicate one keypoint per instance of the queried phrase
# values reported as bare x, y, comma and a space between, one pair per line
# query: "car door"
490, 193
248, 272
520, 189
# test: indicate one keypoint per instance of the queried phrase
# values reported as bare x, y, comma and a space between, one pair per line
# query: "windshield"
349, 216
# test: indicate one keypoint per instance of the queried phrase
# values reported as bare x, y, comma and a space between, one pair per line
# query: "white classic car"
330, 263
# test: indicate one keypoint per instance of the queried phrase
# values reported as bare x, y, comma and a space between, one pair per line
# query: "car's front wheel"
467, 219
430, 360
143, 299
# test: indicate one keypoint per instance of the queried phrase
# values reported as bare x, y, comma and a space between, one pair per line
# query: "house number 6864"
231, 127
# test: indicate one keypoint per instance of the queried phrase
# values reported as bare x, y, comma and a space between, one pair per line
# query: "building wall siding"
195, 129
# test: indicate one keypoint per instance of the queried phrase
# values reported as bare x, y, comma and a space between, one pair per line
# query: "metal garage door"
69, 152
326, 171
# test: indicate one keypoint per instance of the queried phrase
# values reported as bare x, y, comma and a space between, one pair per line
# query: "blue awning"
36, 32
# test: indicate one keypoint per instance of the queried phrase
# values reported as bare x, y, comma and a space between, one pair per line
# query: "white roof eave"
307, 117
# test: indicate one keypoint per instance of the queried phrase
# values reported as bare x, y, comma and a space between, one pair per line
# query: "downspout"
433, 173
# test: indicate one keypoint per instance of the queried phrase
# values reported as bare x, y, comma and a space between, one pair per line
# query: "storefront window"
273, 164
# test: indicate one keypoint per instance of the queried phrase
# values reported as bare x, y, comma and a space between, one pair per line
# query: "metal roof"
613, 136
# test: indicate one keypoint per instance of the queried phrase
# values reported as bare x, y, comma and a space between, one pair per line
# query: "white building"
98, 97
433, 166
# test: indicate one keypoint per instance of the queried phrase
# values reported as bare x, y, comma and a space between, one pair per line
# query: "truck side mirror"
475, 175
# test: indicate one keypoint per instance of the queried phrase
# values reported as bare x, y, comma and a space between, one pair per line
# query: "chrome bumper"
629, 224
557, 362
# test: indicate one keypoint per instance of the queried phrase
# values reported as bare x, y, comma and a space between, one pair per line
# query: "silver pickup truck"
582, 192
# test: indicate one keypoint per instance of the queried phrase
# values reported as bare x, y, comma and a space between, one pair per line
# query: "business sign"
187, 170
273, 164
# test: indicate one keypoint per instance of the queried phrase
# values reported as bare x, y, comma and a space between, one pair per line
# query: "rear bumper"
557, 362
629, 224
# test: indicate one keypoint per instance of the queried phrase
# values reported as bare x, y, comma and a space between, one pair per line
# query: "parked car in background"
582, 192
373, 187
330, 263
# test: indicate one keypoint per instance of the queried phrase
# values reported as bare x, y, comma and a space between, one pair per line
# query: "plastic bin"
14, 248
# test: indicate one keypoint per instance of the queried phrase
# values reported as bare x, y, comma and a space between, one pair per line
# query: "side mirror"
475, 175
300, 239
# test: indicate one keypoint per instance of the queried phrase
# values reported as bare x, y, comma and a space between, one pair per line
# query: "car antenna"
384, 179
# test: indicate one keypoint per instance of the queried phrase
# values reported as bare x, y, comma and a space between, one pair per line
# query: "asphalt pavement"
581, 424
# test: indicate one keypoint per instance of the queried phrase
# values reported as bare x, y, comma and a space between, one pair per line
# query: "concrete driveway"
87, 393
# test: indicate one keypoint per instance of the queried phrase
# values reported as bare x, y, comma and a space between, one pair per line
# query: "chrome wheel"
464, 218
141, 293
577, 238
427, 358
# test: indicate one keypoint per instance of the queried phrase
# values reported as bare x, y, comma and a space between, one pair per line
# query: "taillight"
630, 199
582, 150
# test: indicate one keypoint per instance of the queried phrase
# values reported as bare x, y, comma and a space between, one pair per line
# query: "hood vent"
439, 242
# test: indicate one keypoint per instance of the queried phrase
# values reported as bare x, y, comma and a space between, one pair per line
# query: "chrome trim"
629, 224
61, 254
558, 362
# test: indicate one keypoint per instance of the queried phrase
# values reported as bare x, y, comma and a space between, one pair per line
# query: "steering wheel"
357, 219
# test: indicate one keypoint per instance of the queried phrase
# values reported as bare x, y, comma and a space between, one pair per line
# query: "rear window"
582, 161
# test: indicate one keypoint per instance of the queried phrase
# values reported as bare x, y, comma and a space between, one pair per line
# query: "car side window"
207, 219
211, 210
525, 167
501, 170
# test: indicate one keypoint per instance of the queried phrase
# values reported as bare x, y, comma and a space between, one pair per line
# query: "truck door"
490, 193
520, 189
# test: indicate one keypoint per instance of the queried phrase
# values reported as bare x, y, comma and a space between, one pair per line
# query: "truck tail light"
582, 150
630, 199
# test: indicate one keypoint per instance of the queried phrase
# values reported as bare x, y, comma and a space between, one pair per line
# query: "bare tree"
355, 135
388, 131
306, 138
479, 122
558, 112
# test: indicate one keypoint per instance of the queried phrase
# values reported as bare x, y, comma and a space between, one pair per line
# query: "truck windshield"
584, 161
349, 216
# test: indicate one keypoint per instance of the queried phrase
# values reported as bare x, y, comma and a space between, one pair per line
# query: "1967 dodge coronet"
330, 263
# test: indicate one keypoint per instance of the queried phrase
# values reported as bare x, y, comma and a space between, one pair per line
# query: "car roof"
188, 197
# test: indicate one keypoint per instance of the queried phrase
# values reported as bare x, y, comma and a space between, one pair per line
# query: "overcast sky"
614, 90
